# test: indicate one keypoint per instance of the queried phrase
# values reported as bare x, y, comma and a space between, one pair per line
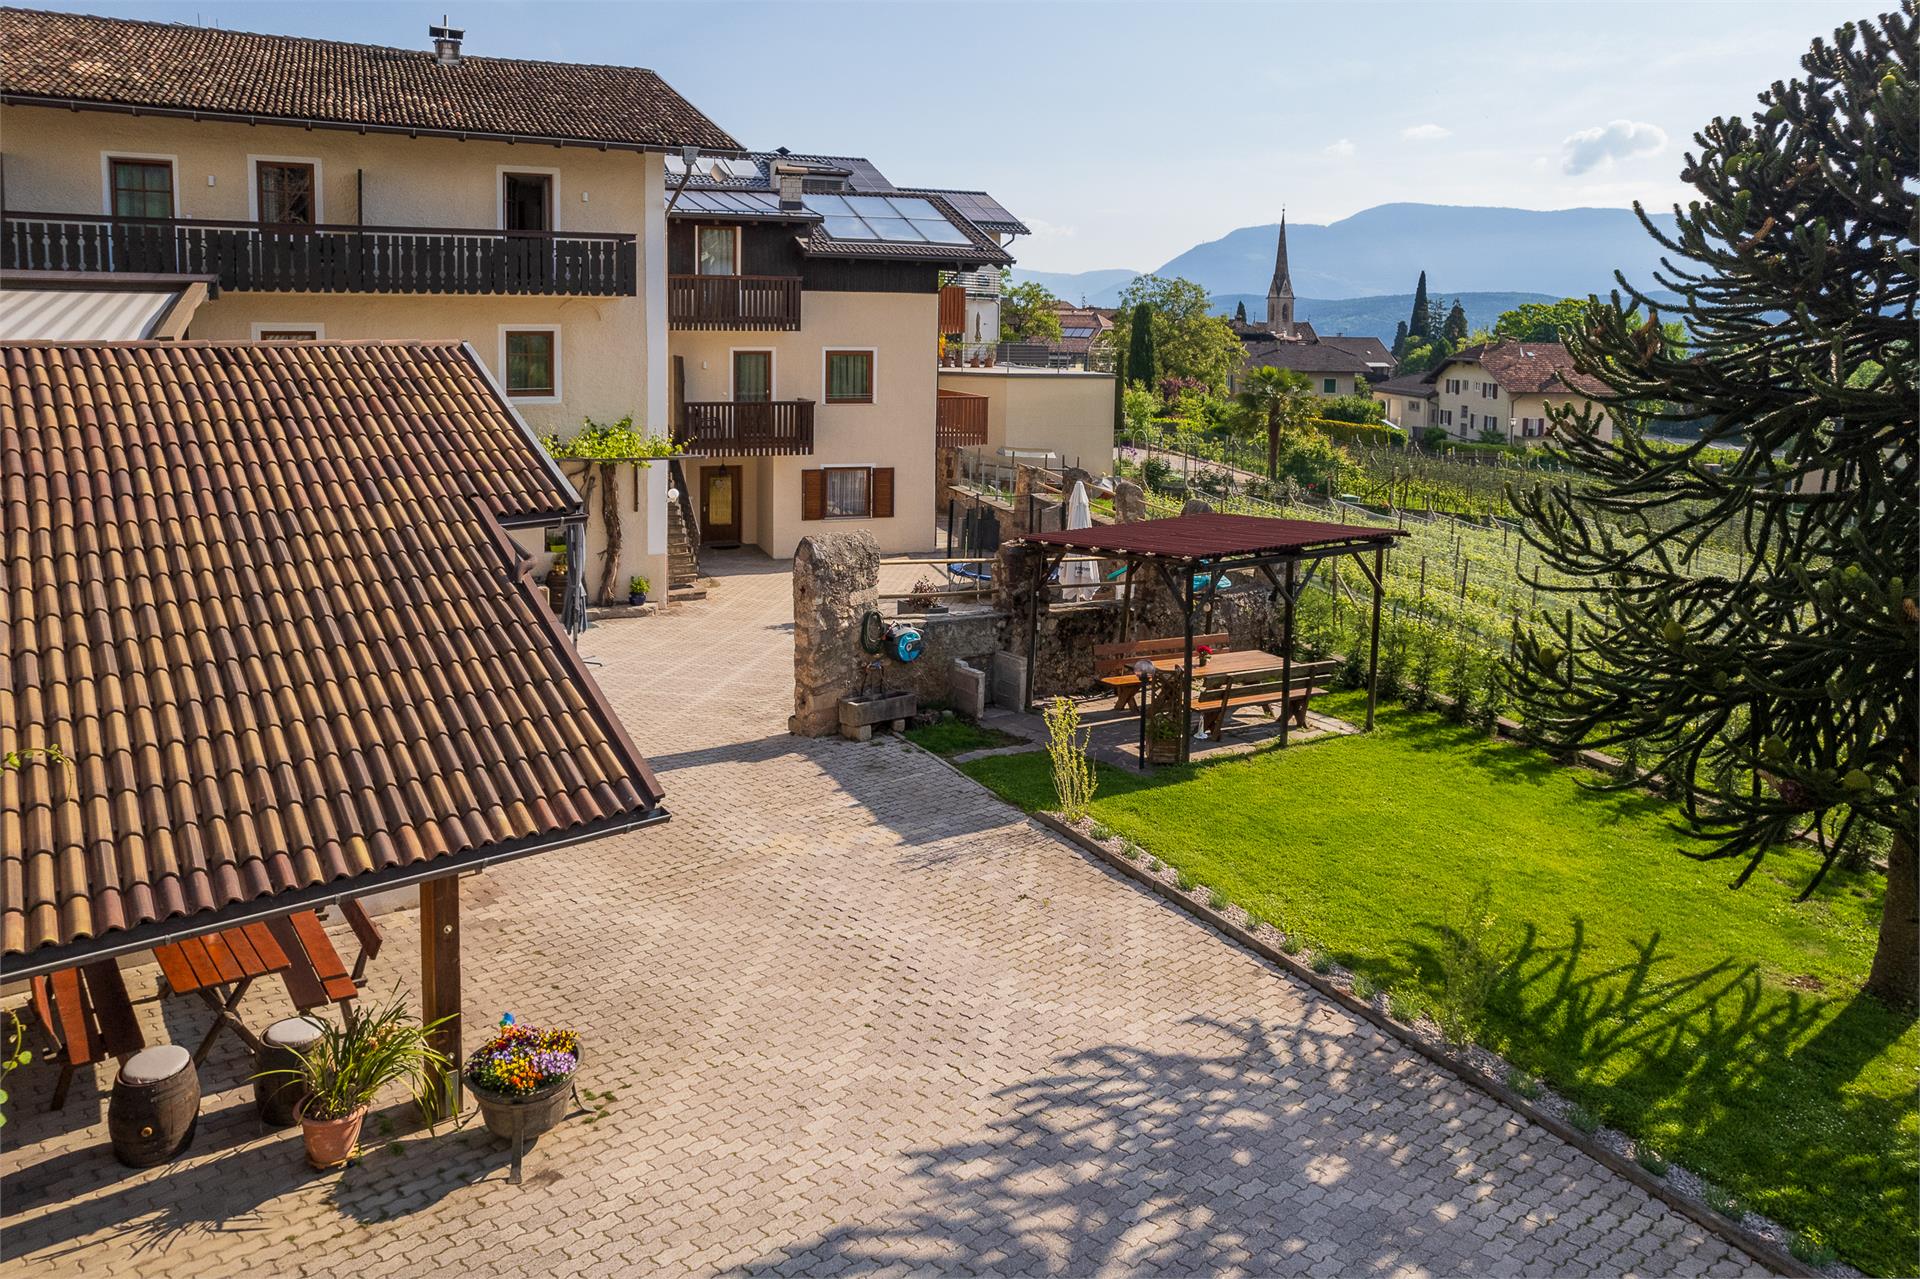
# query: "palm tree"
1279, 396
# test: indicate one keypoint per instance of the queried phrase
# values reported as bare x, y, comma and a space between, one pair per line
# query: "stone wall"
836, 583
972, 637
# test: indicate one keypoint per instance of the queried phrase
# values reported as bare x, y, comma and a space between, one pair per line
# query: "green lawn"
958, 736
1722, 1026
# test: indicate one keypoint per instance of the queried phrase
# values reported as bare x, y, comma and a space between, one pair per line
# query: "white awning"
93, 314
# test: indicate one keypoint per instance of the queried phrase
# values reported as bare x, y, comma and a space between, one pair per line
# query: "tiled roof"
261, 595
1370, 349
1411, 385
62, 57
1304, 356
1527, 368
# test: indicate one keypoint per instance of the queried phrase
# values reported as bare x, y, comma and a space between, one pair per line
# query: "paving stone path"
846, 1013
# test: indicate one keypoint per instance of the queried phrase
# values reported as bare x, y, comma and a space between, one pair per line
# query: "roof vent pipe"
446, 43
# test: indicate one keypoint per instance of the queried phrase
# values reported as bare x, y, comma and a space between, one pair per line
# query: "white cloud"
1044, 230
1343, 148
1599, 147
1426, 133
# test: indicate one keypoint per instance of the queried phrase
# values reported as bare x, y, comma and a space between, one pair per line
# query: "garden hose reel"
897, 640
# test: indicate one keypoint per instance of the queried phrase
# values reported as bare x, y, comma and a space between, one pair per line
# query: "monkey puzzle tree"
1779, 698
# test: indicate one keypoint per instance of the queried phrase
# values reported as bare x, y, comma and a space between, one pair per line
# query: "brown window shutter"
813, 495
883, 492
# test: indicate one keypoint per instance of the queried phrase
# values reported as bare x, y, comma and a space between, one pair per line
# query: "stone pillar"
836, 583
1129, 503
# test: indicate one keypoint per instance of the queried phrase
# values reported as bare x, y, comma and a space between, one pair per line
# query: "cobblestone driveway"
851, 1014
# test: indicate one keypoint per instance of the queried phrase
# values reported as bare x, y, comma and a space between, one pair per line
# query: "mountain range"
1356, 275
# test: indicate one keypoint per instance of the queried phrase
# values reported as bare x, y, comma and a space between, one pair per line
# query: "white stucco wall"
1065, 412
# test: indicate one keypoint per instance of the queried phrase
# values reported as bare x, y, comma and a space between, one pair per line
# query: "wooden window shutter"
813, 495
883, 492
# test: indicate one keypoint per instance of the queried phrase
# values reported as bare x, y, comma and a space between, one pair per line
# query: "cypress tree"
1400, 340
1456, 330
1421, 324
1239, 312
1777, 696
1142, 367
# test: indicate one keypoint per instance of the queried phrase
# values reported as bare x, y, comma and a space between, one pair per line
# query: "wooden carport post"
1287, 593
440, 981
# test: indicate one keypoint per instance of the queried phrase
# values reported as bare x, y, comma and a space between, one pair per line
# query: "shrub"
1289, 944
1360, 409
1100, 832
924, 594
1073, 776
1650, 1159
1216, 899
1403, 1006
1471, 966
1363, 987
1183, 881
1523, 1084
1582, 1119
1322, 962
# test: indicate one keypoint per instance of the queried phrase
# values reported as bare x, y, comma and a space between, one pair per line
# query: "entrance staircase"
683, 564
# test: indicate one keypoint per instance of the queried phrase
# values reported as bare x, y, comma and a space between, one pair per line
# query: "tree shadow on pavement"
1291, 1146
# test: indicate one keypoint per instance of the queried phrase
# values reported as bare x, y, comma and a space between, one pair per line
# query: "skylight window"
894, 219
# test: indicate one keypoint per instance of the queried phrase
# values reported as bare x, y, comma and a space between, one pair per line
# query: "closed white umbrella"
1079, 578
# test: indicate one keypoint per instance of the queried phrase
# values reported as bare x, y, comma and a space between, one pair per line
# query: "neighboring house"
1409, 402
1337, 365
606, 248
807, 311
1506, 388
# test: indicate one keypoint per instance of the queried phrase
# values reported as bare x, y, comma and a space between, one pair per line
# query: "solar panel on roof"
896, 219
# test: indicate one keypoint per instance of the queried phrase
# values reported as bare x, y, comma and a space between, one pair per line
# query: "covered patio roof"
272, 645
1215, 536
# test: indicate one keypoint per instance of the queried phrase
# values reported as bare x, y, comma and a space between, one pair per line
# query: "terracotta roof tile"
1528, 368
262, 596
166, 66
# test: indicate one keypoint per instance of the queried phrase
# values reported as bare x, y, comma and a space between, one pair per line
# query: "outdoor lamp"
673, 494
1144, 668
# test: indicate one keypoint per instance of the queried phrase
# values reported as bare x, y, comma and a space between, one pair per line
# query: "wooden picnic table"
1235, 661
221, 967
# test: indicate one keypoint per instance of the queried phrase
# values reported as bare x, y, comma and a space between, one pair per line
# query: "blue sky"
1124, 133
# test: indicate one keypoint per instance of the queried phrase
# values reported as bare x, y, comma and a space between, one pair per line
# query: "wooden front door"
720, 506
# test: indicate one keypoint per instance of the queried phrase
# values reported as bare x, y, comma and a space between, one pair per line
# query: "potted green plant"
637, 588
523, 1077
348, 1066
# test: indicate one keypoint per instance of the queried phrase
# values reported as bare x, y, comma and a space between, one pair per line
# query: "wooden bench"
1217, 697
1113, 663
88, 1016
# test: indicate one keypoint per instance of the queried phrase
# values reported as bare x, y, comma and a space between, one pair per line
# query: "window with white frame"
531, 362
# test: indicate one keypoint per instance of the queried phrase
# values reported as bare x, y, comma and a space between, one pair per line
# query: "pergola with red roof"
1208, 546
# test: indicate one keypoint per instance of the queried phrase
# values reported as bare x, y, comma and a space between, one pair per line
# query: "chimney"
446, 43
791, 180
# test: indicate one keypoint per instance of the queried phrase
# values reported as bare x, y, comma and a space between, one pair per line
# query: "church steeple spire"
1280, 291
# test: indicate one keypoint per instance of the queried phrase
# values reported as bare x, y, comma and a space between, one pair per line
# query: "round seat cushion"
296, 1033
151, 1065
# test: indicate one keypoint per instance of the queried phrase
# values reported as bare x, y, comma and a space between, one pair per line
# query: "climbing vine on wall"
608, 445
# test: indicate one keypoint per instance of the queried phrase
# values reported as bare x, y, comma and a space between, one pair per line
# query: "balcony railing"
327, 259
728, 428
746, 302
960, 420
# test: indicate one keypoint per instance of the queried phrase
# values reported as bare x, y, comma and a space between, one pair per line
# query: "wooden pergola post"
1287, 592
440, 981
1035, 585
1186, 671
1379, 576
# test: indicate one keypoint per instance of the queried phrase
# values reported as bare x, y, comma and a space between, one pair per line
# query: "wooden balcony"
327, 259
767, 428
757, 303
960, 420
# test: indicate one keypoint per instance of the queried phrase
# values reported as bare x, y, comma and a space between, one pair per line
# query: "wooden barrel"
154, 1106
275, 1096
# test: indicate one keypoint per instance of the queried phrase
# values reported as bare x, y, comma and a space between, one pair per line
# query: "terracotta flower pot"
330, 1142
